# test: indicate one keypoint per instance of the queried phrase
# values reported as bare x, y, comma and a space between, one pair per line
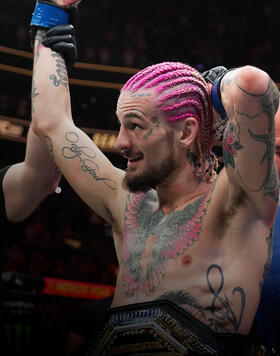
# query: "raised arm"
27, 183
251, 100
85, 167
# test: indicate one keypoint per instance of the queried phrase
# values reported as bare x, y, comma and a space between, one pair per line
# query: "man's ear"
188, 132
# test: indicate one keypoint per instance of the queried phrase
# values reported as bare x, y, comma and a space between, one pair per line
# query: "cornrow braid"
182, 93
155, 70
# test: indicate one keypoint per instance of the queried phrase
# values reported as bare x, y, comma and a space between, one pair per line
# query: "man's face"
145, 140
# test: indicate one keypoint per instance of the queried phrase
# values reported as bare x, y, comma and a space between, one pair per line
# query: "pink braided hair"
182, 93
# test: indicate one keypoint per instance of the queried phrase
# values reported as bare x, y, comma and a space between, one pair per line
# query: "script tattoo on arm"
86, 156
268, 262
62, 77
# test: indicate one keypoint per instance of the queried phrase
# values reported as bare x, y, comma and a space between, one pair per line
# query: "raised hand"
66, 3
62, 39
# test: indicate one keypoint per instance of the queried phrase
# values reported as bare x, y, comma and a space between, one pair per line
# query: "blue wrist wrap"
216, 98
47, 15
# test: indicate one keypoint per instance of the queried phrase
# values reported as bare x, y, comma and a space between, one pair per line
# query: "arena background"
64, 240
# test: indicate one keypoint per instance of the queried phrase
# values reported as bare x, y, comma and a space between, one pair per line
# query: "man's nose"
122, 143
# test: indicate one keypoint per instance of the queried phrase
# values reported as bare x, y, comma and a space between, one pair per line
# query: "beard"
154, 175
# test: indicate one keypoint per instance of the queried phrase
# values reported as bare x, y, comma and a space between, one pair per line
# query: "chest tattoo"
151, 239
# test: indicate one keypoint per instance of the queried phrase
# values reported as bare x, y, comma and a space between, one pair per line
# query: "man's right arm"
84, 166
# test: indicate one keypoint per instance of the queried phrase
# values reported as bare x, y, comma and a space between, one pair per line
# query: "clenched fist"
66, 3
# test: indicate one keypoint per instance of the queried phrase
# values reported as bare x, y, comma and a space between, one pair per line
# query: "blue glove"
215, 76
58, 23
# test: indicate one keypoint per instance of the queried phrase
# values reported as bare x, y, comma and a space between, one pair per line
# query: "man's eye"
134, 126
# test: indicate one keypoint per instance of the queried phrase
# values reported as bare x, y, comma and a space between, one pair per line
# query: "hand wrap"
58, 23
48, 14
215, 76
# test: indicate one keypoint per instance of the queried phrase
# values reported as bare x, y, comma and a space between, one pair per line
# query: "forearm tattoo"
86, 156
62, 77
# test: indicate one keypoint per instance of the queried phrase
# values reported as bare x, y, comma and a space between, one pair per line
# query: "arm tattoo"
39, 36
268, 103
61, 71
268, 262
34, 93
86, 156
231, 144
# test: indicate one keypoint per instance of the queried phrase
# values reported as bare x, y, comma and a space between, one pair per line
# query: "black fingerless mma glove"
215, 76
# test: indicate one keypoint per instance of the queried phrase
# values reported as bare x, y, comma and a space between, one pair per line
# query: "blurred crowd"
200, 33
63, 239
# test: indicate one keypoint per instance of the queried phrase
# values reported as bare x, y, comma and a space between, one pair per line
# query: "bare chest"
179, 258
155, 244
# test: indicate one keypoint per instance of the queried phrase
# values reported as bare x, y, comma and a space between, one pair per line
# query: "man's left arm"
27, 183
251, 100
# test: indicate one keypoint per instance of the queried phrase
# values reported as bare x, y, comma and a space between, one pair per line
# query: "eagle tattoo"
152, 238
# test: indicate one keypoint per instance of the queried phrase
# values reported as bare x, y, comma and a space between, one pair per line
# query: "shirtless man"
269, 308
181, 232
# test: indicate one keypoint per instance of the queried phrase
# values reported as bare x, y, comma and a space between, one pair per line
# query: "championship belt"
153, 328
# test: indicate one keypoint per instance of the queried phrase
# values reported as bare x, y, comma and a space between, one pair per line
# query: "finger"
66, 48
61, 30
50, 41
